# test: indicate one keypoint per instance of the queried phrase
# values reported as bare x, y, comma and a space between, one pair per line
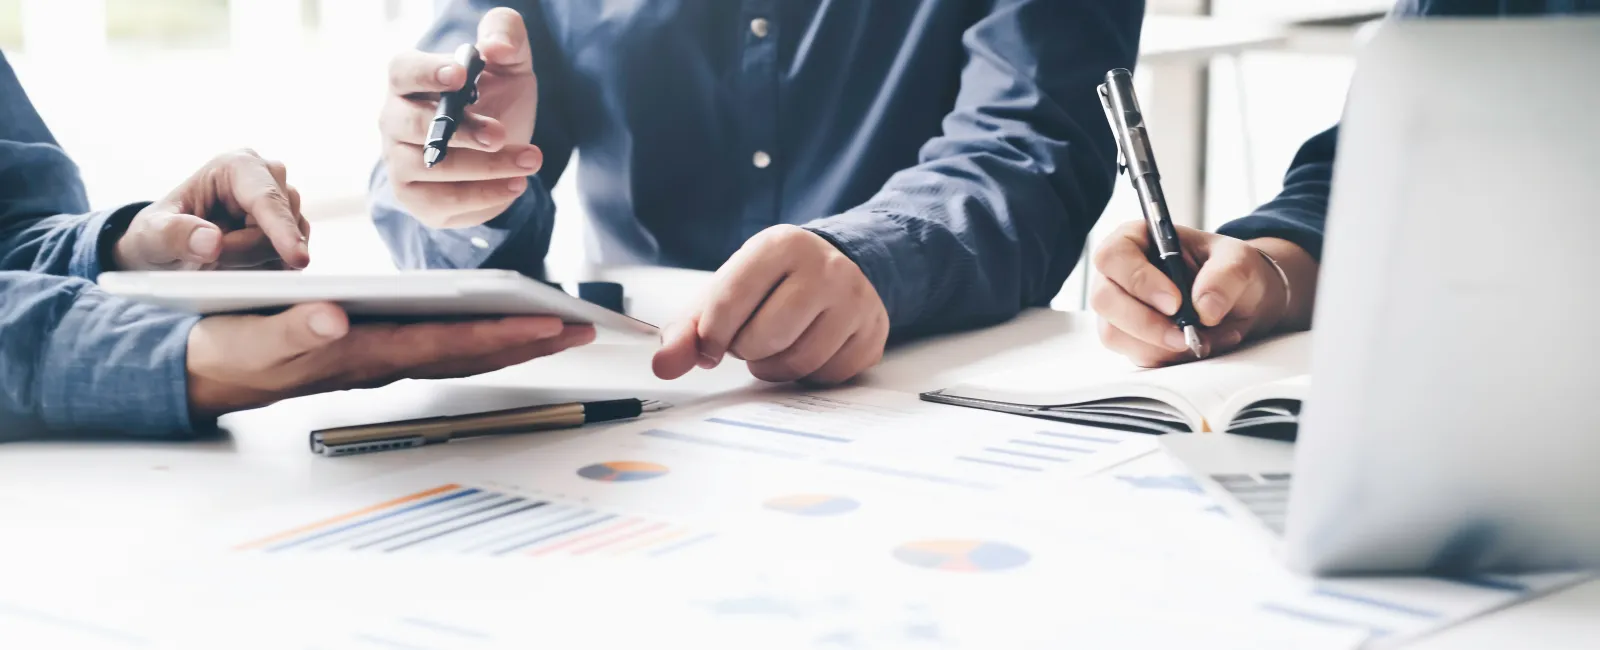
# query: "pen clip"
353, 448
1116, 126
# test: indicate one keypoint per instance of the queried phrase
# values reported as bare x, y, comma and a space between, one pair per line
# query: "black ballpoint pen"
453, 106
1139, 160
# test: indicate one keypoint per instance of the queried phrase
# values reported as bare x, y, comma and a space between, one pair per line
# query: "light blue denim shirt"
73, 359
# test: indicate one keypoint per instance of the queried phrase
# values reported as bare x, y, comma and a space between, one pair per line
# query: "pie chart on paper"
813, 505
622, 471
962, 555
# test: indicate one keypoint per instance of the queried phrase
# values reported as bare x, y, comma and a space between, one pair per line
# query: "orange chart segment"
813, 505
623, 471
309, 528
476, 521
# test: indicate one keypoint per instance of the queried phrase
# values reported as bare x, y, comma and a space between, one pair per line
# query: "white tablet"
408, 294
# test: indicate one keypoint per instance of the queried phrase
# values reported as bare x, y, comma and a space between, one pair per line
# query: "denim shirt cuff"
874, 241
114, 366
95, 252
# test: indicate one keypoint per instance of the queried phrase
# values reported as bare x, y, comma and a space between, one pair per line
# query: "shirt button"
759, 27
480, 242
761, 160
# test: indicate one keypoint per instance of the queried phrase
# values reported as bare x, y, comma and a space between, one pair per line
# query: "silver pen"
1135, 156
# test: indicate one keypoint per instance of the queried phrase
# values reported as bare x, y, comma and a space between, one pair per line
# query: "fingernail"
446, 75
517, 185
1174, 341
1235, 338
1209, 304
708, 362
1165, 303
528, 159
303, 250
325, 325
203, 242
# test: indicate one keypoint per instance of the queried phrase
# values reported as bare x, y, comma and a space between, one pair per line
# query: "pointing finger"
267, 204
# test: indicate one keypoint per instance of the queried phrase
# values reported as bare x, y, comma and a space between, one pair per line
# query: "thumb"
303, 328
503, 41
170, 240
680, 350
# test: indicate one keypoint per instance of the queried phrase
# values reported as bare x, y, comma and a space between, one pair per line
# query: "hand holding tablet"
408, 296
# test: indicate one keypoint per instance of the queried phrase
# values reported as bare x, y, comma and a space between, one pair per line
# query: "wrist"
111, 256
1291, 275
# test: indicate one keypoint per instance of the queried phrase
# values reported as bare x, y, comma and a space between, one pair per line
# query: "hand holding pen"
488, 158
1143, 295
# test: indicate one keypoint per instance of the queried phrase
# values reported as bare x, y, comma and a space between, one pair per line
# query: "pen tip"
1191, 338
651, 405
431, 156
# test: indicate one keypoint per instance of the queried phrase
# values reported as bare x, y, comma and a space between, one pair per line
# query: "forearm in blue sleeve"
996, 214
45, 223
1299, 213
76, 360
518, 238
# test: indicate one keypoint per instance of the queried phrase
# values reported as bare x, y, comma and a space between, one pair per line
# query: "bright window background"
141, 92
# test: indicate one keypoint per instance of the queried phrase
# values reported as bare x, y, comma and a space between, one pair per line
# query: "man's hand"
237, 212
789, 304
242, 362
1237, 293
490, 156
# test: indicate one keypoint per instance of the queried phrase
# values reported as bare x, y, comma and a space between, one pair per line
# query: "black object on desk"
453, 107
1139, 160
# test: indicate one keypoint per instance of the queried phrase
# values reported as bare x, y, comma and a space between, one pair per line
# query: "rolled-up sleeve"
1299, 213
76, 360
995, 215
45, 222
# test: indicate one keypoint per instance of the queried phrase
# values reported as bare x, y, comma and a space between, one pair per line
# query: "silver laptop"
1453, 421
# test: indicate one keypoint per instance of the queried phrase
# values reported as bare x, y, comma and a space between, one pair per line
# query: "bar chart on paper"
898, 436
462, 519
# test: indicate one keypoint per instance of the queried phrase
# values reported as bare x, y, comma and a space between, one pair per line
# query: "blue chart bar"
1079, 437
1000, 463
1051, 446
709, 442
1386, 605
381, 516
457, 519
1323, 619
902, 473
1027, 454
771, 429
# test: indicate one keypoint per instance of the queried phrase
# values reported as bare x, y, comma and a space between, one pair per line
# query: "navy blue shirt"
1300, 212
954, 149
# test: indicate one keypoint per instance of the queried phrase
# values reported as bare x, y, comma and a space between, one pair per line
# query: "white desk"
62, 498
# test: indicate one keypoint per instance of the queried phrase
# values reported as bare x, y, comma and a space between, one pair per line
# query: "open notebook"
1256, 390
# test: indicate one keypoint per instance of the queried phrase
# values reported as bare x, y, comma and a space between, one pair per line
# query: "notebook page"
1201, 387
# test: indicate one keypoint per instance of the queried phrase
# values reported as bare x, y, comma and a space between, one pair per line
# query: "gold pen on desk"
366, 438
